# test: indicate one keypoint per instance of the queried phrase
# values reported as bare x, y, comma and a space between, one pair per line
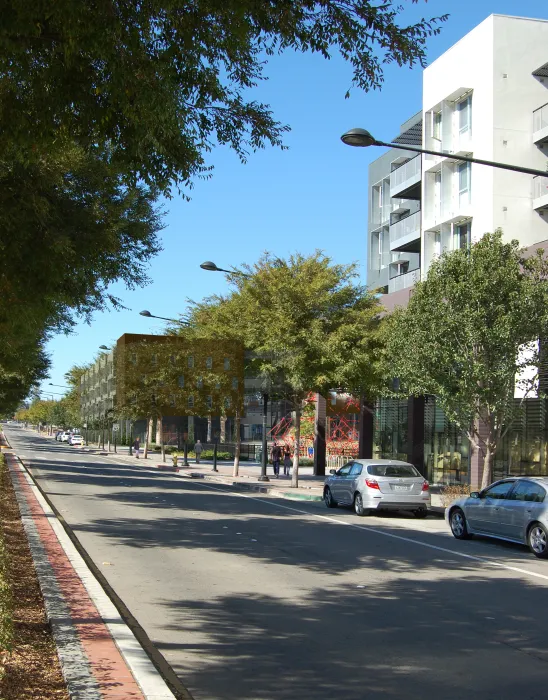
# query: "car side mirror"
475, 494
332, 471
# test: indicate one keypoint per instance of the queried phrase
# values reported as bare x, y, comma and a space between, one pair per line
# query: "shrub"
452, 491
6, 603
305, 462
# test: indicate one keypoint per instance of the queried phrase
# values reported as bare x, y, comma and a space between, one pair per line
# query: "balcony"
540, 193
540, 125
405, 231
405, 181
408, 279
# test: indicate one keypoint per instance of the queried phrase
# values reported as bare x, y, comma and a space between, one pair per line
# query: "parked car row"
513, 509
72, 437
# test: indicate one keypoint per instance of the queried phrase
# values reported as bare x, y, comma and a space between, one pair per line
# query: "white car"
76, 440
64, 437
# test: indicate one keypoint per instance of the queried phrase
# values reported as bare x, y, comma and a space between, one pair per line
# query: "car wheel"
537, 539
330, 502
358, 505
459, 527
420, 513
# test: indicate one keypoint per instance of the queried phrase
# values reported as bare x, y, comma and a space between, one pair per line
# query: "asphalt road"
254, 598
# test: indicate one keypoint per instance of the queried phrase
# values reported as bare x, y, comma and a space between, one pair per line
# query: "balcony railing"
408, 228
540, 121
405, 176
540, 192
408, 279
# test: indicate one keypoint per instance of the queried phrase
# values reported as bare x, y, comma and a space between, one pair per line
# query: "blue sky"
313, 195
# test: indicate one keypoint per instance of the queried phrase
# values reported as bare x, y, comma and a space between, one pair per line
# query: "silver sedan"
377, 484
511, 509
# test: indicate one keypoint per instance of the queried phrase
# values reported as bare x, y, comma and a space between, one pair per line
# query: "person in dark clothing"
287, 460
276, 455
136, 447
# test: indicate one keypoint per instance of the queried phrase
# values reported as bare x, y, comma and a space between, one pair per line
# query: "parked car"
58, 434
510, 509
76, 439
64, 436
377, 484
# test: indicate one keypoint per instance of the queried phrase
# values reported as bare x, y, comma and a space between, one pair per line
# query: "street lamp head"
358, 137
103, 347
208, 265
145, 313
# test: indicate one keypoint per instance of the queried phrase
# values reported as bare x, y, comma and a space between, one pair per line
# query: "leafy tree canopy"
160, 82
470, 333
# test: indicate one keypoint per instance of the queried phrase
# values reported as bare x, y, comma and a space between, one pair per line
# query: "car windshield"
392, 470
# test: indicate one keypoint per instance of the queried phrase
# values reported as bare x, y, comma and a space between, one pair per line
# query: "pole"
115, 442
215, 456
130, 438
467, 159
185, 445
264, 456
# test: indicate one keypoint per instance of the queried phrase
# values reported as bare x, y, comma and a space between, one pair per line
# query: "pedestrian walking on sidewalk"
198, 447
276, 455
287, 460
136, 447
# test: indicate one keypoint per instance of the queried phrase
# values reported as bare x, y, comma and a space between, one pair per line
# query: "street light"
61, 386
147, 314
103, 347
211, 267
363, 138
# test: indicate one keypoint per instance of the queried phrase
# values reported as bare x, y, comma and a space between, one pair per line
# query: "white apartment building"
486, 97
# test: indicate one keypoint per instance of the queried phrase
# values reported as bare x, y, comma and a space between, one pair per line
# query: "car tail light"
372, 484
425, 486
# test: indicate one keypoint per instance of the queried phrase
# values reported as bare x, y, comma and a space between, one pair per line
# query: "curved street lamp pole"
147, 314
362, 138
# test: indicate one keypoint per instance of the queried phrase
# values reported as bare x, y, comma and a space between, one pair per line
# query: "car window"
528, 491
356, 469
498, 490
345, 471
398, 470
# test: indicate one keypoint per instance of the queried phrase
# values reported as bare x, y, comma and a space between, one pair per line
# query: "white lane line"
368, 528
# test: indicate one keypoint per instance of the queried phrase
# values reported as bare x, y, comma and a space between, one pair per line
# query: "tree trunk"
297, 448
209, 431
487, 476
160, 432
223, 429
150, 424
237, 444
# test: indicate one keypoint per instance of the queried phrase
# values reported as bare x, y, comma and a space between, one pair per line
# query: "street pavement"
252, 597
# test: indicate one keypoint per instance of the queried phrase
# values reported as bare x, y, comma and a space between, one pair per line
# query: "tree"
469, 334
309, 327
162, 82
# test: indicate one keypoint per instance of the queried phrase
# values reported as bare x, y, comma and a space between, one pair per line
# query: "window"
227, 363
399, 470
234, 383
143, 378
345, 471
461, 236
209, 362
172, 401
437, 243
154, 360
228, 402
133, 358
200, 383
464, 173
181, 382
191, 401
528, 491
464, 110
190, 361
209, 401
436, 126
217, 386
498, 491
356, 469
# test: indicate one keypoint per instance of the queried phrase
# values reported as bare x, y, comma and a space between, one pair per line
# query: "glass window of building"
209, 401
462, 236
464, 173
199, 383
191, 401
234, 383
436, 126
209, 362
172, 401
227, 363
190, 361
181, 382
228, 402
217, 386
464, 109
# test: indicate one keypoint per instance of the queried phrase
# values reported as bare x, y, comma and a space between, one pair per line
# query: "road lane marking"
368, 528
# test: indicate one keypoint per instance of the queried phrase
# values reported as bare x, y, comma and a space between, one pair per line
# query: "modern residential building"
486, 97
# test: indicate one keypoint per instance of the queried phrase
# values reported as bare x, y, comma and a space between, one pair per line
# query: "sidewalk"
101, 659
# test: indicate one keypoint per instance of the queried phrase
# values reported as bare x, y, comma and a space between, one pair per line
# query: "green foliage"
161, 83
468, 330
